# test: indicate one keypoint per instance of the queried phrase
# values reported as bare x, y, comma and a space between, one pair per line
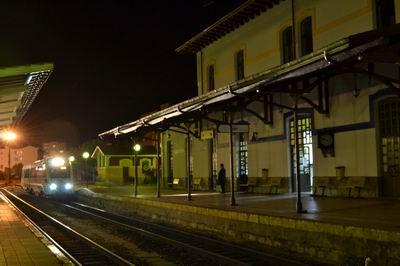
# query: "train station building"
291, 96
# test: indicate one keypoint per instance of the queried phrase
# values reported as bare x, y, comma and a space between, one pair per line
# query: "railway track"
78, 248
213, 251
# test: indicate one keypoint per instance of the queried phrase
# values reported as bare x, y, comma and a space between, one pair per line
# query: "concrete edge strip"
53, 249
290, 223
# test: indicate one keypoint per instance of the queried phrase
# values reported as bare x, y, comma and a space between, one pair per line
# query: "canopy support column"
188, 171
231, 160
135, 185
158, 165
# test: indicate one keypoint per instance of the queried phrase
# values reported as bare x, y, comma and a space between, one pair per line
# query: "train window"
58, 173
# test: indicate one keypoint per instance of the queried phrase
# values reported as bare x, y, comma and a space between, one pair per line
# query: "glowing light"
137, 147
85, 155
57, 161
9, 136
63, 167
53, 186
71, 159
68, 186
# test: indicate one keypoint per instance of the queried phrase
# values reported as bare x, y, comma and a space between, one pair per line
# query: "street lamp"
85, 156
136, 149
9, 136
71, 159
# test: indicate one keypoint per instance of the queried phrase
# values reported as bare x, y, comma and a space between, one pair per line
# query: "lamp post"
9, 136
71, 159
136, 149
85, 156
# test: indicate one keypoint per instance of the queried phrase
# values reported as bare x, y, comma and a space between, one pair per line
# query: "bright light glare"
71, 159
137, 147
29, 79
85, 155
68, 186
53, 186
9, 136
57, 161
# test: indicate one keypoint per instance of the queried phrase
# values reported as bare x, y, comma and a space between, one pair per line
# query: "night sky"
114, 60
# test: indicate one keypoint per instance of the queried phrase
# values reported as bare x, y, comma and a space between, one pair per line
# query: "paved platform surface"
19, 245
371, 213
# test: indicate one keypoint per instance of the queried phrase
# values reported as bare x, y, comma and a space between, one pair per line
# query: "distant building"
53, 148
25, 156
115, 163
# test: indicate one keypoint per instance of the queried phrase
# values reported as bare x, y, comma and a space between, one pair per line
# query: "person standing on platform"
222, 178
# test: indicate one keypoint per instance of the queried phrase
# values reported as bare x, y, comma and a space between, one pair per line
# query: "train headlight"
68, 186
53, 186
57, 161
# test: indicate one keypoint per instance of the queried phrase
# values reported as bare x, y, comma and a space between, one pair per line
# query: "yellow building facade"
344, 145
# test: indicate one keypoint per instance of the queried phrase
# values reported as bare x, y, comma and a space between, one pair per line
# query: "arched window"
239, 60
211, 78
306, 38
385, 13
287, 45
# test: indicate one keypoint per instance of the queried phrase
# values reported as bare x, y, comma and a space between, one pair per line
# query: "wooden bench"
197, 183
320, 182
352, 182
251, 183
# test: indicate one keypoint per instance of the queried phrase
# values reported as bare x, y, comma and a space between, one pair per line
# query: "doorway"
125, 175
305, 153
389, 146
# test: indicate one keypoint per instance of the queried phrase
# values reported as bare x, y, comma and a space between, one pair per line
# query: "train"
50, 176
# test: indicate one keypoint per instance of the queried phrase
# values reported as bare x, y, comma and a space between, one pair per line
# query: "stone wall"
321, 242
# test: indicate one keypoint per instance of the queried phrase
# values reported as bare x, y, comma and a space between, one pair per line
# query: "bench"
175, 182
320, 182
273, 183
352, 182
251, 183
197, 183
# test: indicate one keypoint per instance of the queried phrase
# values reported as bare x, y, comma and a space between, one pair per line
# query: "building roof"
363, 45
122, 149
19, 87
233, 20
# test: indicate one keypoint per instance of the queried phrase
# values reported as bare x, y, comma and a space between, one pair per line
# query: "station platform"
366, 212
21, 243
333, 230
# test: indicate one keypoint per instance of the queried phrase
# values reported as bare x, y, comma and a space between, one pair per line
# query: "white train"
47, 177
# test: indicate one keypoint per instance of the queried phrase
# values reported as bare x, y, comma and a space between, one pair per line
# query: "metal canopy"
332, 58
19, 87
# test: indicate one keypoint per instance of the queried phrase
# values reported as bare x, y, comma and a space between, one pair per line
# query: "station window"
287, 45
243, 156
306, 38
211, 78
239, 61
385, 13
